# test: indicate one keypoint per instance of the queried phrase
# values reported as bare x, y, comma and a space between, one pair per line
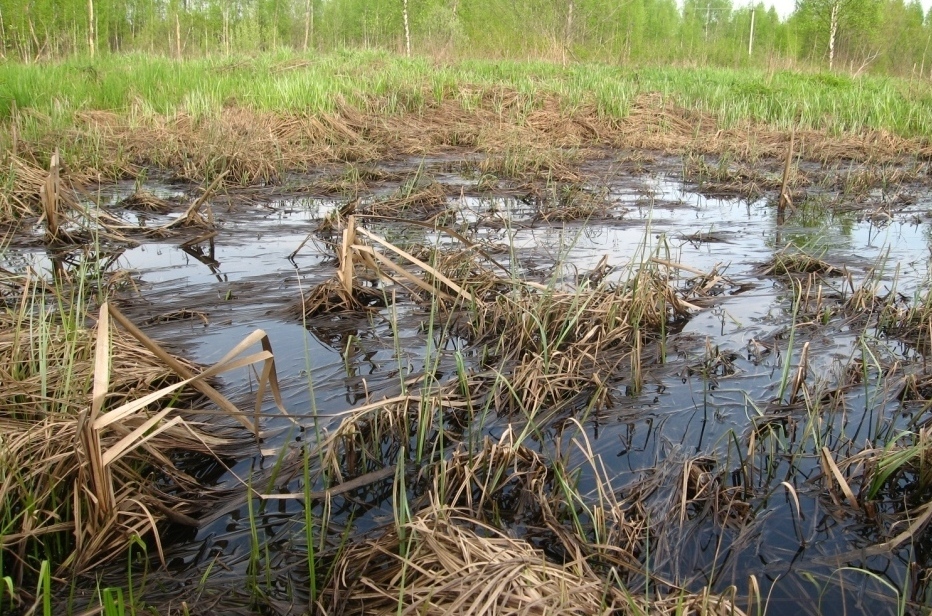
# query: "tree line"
891, 36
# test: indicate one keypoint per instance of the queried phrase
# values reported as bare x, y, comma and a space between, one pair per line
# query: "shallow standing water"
243, 279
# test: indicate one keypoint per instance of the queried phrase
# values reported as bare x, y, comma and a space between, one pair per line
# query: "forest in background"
857, 36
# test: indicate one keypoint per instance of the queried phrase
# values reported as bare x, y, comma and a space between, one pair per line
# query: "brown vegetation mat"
444, 562
255, 147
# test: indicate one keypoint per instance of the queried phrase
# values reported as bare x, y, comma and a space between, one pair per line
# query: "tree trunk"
2, 37
832, 31
308, 22
91, 29
404, 14
568, 30
177, 36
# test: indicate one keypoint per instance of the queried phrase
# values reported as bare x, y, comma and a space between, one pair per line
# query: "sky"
785, 7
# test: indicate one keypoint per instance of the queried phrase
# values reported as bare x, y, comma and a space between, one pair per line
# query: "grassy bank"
256, 119
375, 82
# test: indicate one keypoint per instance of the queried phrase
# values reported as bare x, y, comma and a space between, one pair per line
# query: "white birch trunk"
91, 29
404, 14
832, 31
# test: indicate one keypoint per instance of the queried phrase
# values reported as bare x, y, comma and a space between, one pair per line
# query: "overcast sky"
785, 7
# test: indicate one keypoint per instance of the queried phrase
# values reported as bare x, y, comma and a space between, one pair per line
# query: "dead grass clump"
794, 263
331, 297
354, 178
445, 562
528, 160
654, 123
859, 181
470, 267
568, 202
560, 344
890, 486
93, 424
707, 493
25, 183
907, 320
145, 201
499, 481
730, 178
362, 255
414, 200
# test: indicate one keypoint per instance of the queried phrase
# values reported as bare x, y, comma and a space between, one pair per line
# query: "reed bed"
95, 422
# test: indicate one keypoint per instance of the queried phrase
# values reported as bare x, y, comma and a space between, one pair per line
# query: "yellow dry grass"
93, 420
258, 147
445, 562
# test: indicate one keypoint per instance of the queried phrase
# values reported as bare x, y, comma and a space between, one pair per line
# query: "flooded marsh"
638, 387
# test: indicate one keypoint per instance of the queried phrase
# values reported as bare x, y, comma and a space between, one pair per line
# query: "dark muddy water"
242, 279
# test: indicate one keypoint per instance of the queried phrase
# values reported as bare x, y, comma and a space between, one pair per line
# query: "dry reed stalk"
345, 258
786, 201
49, 194
434, 566
345, 292
192, 216
89, 500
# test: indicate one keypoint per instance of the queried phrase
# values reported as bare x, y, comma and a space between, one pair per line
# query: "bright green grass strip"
377, 82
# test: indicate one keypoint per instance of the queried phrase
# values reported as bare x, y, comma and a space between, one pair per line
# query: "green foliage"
374, 81
889, 36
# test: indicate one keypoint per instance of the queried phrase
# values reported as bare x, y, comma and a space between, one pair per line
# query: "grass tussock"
557, 344
417, 200
94, 423
567, 202
444, 562
791, 262
730, 178
145, 201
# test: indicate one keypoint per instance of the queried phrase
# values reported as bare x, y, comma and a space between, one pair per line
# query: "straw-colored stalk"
74, 474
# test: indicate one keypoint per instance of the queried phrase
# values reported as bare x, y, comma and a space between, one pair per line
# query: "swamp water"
713, 405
